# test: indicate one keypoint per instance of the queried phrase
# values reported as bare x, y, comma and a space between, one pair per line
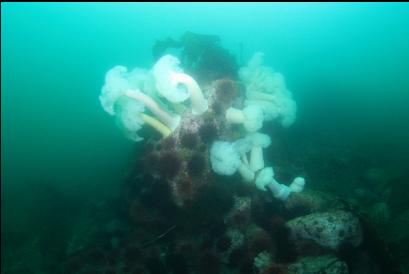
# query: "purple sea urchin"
209, 263
208, 133
223, 244
169, 164
196, 164
226, 90
189, 140
168, 143
184, 190
261, 241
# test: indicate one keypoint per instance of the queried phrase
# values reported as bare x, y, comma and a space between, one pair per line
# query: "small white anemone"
259, 141
228, 158
298, 184
243, 146
251, 117
224, 158
265, 180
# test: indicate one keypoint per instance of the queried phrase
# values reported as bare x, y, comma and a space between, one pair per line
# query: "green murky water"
347, 66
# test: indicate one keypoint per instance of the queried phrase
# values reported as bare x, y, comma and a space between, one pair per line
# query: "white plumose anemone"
265, 181
266, 89
177, 86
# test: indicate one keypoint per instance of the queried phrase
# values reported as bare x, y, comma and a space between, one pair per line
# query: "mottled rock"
327, 264
262, 261
328, 229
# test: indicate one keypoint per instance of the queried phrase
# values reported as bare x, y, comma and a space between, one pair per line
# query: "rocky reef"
203, 194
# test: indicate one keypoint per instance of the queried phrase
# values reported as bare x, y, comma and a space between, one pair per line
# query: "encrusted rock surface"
328, 229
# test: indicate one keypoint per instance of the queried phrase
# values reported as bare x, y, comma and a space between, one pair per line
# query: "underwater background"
64, 161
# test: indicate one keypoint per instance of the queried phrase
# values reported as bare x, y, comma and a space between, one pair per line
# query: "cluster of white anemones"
267, 98
128, 96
